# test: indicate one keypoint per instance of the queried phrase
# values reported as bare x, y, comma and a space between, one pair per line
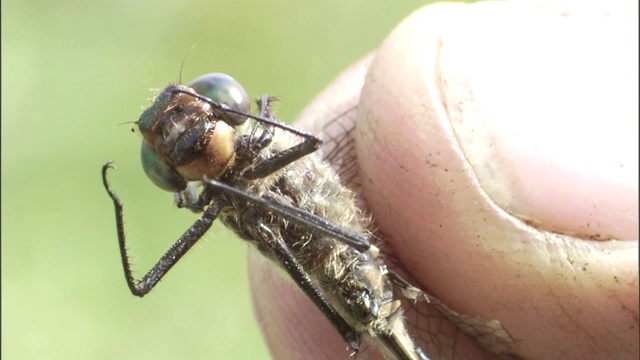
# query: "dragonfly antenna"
184, 58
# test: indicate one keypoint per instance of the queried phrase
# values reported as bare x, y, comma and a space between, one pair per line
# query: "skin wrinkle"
516, 228
498, 56
556, 294
407, 149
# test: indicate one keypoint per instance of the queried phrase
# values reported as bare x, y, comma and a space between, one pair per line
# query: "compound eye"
224, 89
161, 174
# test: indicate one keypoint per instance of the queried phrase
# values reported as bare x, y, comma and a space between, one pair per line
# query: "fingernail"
551, 131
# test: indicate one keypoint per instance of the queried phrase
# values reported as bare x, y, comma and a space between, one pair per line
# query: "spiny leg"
299, 275
277, 161
300, 217
258, 143
172, 256
228, 109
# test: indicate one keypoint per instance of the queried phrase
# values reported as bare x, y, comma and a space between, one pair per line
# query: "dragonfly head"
187, 132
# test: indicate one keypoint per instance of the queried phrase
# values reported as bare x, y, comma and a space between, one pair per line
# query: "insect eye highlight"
224, 89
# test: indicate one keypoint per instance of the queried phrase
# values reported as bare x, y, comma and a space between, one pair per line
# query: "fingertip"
427, 198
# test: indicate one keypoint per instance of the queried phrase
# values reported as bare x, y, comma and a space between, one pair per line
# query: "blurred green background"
72, 71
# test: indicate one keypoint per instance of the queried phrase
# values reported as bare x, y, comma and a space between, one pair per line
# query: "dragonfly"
266, 181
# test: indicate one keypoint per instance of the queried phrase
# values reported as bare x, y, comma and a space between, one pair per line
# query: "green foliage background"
72, 71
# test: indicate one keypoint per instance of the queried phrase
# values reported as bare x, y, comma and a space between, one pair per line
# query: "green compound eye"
224, 89
160, 173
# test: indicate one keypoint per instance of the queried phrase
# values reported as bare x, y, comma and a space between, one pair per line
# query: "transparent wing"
339, 147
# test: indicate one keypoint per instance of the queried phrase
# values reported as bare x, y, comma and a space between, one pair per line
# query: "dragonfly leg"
256, 144
277, 161
172, 256
298, 216
295, 270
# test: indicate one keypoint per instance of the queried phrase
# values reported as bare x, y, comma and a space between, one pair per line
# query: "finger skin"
559, 295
